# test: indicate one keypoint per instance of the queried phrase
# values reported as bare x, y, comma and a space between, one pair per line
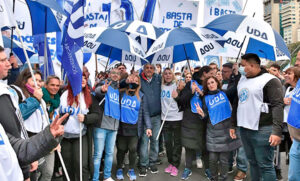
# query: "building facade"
283, 16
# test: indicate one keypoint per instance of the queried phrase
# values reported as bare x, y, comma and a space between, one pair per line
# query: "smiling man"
151, 87
50, 94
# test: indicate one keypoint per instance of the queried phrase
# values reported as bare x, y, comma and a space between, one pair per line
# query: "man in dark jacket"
231, 77
12, 120
151, 87
259, 114
29, 150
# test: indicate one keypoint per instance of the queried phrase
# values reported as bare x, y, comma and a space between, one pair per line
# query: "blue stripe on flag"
72, 58
39, 45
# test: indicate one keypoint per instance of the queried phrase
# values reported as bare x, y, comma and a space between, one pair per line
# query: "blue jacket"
28, 106
152, 92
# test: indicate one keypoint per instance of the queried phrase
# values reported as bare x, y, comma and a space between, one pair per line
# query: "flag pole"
96, 61
12, 29
108, 59
164, 120
45, 57
34, 80
80, 141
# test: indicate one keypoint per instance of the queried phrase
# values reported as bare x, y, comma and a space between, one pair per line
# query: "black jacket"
193, 128
34, 148
11, 124
217, 136
231, 90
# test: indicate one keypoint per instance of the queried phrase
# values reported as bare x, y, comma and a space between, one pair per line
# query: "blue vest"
294, 116
130, 107
196, 99
218, 107
112, 104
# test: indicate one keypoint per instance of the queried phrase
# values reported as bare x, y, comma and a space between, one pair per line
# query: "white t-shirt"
73, 124
168, 104
9, 165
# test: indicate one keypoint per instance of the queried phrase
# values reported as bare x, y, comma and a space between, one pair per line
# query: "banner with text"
217, 8
177, 13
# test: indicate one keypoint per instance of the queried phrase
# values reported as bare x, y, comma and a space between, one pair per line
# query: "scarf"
52, 103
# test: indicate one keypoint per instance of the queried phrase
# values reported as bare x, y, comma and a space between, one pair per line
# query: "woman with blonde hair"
133, 119
172, 126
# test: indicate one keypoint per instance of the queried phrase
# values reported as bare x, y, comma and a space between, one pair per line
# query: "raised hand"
199, 91
38, 93
56, 128
194, 87
199, 110
104, 88
130, 79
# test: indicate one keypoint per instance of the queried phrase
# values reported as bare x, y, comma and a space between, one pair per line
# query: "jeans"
294, 168
172, 136
214, 159
241, 160
259, 153
145, 159
125, 144
46, 169
107, 138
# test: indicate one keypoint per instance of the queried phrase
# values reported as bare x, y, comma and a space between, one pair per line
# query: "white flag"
1, 41
6, 14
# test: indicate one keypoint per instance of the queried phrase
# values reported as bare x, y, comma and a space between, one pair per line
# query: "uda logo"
244, 95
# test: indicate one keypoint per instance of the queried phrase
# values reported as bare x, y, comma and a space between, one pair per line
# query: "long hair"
205, 87
23, 78
173, 75
86, 93
136, 93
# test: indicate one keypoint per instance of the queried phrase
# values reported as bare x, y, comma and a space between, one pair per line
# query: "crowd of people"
236, 113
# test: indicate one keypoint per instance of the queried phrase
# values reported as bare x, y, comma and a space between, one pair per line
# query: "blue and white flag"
7, 19
293, 117
39, 45
72, 58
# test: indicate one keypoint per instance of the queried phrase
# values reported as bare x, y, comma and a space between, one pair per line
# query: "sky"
254, 6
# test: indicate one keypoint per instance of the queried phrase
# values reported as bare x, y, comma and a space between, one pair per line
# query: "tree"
294, 48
